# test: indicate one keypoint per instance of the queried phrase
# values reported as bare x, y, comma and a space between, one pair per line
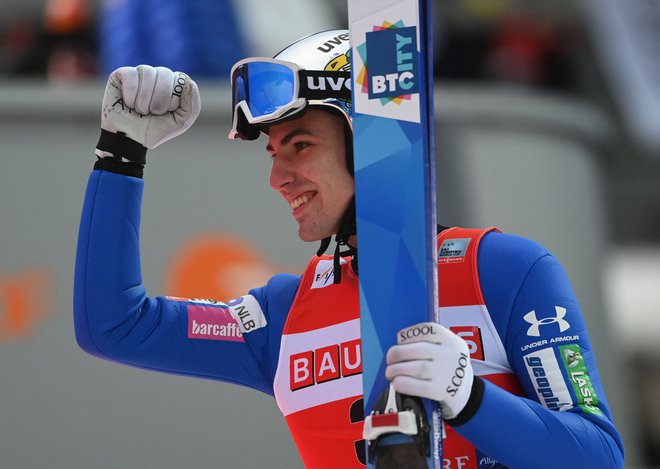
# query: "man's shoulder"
511, 247
497, 245
505, 261
282, 284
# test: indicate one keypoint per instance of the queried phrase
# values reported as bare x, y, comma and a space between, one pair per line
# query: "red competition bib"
318, 383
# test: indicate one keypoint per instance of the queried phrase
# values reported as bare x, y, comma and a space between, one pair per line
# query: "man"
519, 389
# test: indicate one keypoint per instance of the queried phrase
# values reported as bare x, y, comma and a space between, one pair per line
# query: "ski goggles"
266, 90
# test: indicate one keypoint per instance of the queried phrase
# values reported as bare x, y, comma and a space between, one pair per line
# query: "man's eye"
301, 145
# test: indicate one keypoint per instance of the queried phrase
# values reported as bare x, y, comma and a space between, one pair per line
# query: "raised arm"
114, 318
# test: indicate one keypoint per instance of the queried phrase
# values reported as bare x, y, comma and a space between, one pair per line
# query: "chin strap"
347, 229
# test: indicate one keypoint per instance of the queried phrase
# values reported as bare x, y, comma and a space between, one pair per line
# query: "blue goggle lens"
264, 86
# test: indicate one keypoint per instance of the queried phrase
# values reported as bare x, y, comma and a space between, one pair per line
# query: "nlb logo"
248, 312
393, 62
325, 364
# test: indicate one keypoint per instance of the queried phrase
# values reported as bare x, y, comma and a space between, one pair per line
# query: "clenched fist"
148, 105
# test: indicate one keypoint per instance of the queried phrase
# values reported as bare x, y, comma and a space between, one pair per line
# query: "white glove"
432, 362
149, 104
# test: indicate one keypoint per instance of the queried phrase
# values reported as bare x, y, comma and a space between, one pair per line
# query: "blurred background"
547, 125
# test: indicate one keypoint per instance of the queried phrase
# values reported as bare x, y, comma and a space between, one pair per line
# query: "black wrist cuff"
473, 404
126, 168
122, 147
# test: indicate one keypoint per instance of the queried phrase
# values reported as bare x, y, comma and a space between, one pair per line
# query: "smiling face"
309, 171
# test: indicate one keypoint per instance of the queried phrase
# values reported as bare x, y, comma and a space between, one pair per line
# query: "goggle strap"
320, 85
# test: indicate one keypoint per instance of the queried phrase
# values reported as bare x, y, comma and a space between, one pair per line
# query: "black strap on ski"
400, 414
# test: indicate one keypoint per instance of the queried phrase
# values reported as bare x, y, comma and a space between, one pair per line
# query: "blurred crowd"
60, 44
77, 39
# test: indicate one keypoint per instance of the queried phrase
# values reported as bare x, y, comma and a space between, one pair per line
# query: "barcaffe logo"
213, 323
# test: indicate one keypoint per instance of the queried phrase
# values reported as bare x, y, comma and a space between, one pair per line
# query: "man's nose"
281, 174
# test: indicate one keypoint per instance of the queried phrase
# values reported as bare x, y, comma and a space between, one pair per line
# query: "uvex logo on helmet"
326, 51
330, 44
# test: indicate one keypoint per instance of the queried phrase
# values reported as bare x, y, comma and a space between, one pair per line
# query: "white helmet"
313, 71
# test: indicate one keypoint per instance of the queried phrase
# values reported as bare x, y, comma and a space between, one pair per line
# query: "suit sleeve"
564, 419
116, 320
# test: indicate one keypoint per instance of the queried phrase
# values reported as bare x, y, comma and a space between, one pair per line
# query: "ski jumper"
296, 338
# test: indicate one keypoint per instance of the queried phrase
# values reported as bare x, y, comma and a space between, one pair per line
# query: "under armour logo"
533, 330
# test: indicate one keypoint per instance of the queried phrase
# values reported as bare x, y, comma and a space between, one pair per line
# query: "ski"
392, 83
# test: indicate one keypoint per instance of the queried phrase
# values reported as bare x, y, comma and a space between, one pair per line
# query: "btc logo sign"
393, 73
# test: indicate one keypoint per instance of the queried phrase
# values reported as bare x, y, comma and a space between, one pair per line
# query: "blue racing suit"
561, 420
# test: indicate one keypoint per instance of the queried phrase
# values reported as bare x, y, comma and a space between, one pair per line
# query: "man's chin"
310, 237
